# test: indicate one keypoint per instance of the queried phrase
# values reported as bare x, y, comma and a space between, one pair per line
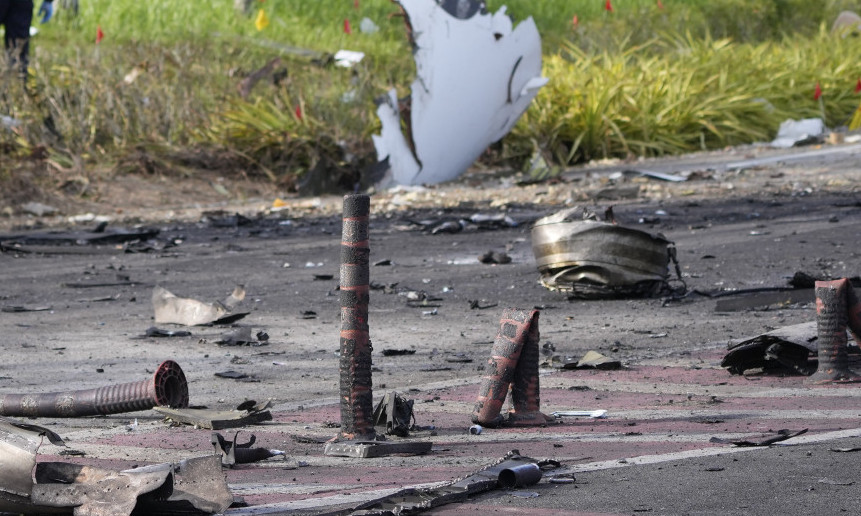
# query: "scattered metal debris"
233, 453
28, 487
762, 440
594, 414
20, 308
167, 388
236, 375
481, 304
493, 220
94, 238
512, 468
218, 419
594, 360
494, 257
674, 178
513, 363
152, 331
242, 336
189, 312
398, 352
591, 259
765, 299
476, 74
359, 449
787, 349
395, 414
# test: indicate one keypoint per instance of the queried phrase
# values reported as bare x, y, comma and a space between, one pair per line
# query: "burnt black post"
357, 402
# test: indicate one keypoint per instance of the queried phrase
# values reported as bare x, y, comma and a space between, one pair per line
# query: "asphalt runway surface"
85, 310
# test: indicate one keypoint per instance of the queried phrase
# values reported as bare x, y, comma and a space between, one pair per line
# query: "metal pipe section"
832, 319
357, 404
167, 388
521, 475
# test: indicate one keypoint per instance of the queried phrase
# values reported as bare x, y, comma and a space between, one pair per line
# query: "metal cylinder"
357, 422
525, 391
831, 321
167, 388
521, 475
513, 327
853, 306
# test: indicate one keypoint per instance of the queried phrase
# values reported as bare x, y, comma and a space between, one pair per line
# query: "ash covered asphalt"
745, 229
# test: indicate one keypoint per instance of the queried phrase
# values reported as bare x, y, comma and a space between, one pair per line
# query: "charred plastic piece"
513, 364
167, 388
832, 320
591, 259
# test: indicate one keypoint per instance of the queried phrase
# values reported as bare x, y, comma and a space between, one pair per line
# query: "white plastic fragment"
594, 414
794, 132
475, 76
348, 58
367, 26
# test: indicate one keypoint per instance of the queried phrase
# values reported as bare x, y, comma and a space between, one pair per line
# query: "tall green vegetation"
643, 79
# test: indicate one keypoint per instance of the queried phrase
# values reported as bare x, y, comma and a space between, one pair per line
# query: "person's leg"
17, 16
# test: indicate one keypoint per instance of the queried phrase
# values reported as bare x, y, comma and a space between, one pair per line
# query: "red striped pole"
355, 367
832, 319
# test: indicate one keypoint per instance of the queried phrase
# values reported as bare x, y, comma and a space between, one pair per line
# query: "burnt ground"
735, 228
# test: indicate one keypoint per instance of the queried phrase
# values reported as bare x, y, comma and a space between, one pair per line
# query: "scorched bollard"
513, 365
357, 437
832, 318
357, 404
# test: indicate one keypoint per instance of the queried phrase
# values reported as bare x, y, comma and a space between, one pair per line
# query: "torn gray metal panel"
765, 299
475, 76
18, 447
28, 487
90, 491
169, 308
215, 419
194, 483
786, 349
372, 449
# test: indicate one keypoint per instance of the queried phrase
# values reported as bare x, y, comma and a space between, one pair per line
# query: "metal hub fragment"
591, 259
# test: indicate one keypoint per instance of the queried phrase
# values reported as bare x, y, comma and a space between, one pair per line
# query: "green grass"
641, 80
